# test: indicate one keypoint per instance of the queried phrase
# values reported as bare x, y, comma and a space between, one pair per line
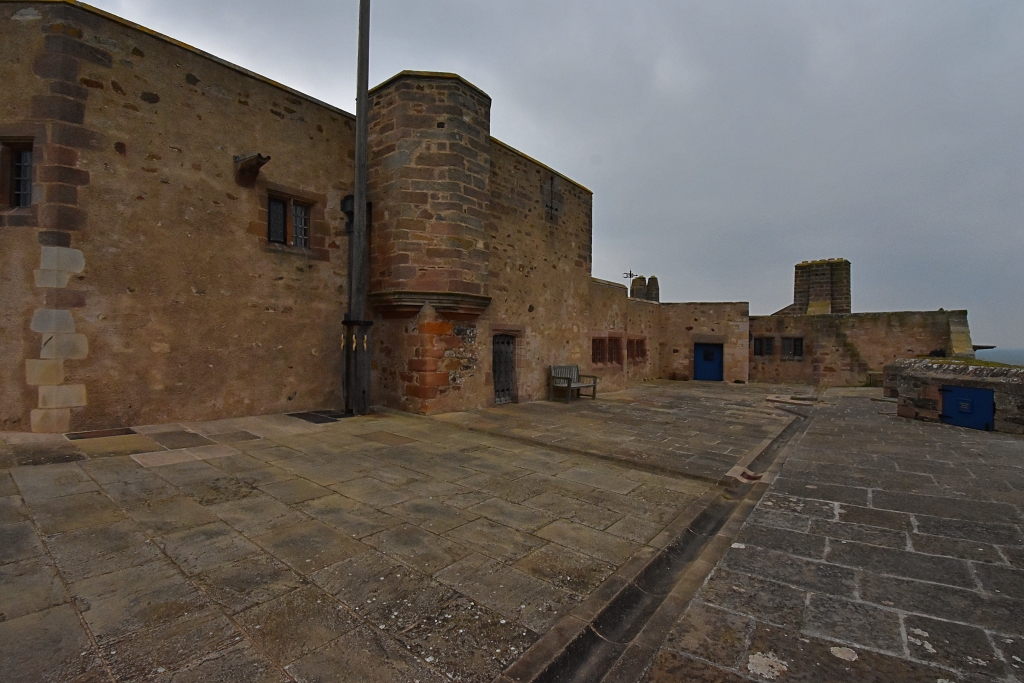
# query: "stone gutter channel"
615, 633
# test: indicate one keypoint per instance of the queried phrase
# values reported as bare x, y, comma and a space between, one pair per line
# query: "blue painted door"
708, 362
968, 407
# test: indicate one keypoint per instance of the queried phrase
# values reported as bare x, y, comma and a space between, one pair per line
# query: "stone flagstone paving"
384, 548
887, 550
698, 429
402, 548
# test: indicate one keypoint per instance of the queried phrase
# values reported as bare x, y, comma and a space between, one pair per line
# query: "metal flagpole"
357, 327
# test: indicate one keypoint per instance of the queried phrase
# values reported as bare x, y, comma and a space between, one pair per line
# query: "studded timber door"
504, 367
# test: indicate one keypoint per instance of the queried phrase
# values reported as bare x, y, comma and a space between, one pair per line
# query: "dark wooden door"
504, 368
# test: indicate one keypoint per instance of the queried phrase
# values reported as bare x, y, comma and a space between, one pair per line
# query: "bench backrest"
570, 372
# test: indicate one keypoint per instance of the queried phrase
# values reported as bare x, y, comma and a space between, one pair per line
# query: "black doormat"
98, 433
314, 417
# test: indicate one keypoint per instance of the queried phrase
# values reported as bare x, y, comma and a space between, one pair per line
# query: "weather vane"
630, 275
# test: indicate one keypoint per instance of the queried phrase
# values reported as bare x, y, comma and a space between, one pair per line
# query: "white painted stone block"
62, 258
51, 421
52, 278
63, 396
64, 346
53, 320
44, 372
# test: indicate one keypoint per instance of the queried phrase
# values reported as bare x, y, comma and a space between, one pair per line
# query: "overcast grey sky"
724, 141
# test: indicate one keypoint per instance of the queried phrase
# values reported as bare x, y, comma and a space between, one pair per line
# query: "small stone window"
636, 349
287, 221
16, 173
615, 350
765, 346
599, 350
792, 347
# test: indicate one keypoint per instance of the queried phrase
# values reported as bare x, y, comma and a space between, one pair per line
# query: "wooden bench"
568, 378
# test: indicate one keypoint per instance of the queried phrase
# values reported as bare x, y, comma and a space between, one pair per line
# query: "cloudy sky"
724, 141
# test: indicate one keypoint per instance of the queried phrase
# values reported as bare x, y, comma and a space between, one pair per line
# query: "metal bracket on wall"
247, 167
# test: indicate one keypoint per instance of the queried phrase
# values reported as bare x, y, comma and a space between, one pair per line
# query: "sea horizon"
1002, 355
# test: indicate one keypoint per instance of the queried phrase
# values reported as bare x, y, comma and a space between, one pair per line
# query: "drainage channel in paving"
622, 636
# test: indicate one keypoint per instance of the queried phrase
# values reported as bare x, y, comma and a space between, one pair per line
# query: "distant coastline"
1011, 356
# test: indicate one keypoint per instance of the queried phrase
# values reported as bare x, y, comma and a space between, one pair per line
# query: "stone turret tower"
429, 170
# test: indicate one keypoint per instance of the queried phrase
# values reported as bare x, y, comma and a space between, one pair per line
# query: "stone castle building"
174, 237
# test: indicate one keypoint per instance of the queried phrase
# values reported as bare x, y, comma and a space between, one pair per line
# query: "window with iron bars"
636, 349
599, 350
615, 350
792, 347
764, 346
287, 221
16, 173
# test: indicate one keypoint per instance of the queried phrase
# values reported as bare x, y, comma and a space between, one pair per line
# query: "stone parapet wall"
917, 384
847, 350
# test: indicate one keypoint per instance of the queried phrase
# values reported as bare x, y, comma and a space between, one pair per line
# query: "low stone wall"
918, 383
846, 350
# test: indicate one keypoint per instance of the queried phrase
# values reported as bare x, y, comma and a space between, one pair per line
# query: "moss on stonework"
967, 361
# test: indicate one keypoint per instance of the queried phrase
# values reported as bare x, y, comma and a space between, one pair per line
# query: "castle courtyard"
672, 531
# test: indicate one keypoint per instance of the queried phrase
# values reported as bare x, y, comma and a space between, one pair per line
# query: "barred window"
599, 350
615, 351
21, 177
300, 225
636, 349
15, 173
792, 347
764, 346
288, 221
277, 221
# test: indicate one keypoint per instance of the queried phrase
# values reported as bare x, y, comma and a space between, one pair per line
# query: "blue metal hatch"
968, 407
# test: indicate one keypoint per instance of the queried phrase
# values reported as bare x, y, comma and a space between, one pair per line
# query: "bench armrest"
593, 377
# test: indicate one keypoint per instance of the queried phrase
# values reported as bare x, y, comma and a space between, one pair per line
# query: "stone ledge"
451, 305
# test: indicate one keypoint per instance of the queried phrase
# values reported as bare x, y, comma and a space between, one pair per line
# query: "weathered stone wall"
607, 318
686, 324
147, 278
917, 385
842, 350
20, 250
643, 323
